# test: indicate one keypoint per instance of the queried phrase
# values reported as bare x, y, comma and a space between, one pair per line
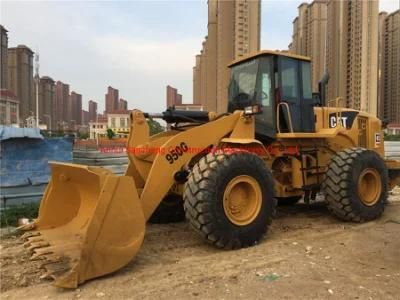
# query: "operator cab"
281, 84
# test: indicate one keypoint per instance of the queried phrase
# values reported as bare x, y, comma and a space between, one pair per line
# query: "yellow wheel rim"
242, 200
369, 186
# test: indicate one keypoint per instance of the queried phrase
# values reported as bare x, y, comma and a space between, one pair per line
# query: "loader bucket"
90, 224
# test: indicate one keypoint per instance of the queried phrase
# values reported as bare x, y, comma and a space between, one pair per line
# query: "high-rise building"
173, 98
92, 111
293, 46
62, 103
196, 81
47, 102
211, 62
171, 95
75, 109
72, 110
122, 104
303, 34
85, 117
20, 79
352, 53
309, 36
79, 109
381, 39
391, 68
112, 98
3, 57
233, 31
178, 99
203, 73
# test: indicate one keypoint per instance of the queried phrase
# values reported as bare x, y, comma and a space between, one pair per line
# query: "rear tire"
356, 185
170, 210
214, 194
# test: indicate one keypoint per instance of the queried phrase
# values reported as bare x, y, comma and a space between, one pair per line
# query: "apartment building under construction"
233, 31
20, 79
309, 35
390, 77
358, 47
352, 53
381, 26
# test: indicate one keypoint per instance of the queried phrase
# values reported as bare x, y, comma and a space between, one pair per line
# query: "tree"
154, 126
83, 135
110, 133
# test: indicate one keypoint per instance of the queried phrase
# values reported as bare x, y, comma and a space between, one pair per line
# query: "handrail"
278, 116
338, 103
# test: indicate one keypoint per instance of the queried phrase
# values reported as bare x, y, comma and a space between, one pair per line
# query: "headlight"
253, 110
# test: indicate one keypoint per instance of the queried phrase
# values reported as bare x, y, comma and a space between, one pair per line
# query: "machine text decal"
175, 152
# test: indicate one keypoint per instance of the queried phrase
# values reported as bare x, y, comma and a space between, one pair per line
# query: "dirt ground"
307, 254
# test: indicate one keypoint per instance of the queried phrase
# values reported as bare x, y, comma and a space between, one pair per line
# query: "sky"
138, 47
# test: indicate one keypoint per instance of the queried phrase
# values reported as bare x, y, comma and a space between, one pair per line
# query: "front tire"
170, 210
229, 199
356, 185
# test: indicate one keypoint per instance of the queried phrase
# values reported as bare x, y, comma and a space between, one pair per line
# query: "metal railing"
284, 104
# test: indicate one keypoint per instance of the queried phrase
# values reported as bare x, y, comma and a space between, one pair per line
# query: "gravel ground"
307, 254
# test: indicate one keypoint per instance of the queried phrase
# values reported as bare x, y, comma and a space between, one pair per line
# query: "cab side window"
265, 89
265, 94
289, 78
306, 78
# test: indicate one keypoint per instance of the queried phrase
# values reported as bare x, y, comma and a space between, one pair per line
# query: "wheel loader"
278, 143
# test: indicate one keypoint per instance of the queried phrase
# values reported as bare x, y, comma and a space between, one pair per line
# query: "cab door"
265, 122
295, 90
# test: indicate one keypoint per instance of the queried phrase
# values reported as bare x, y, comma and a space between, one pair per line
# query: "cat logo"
377, 139
346, 119
333, 121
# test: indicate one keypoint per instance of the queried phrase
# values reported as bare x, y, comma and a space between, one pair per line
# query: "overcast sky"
136, 46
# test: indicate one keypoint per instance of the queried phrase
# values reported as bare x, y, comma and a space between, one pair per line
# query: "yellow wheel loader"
278, 142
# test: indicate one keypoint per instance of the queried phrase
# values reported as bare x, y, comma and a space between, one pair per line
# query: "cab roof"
268, 52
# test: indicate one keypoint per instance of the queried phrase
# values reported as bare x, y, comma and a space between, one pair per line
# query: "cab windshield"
251, 83
242, 88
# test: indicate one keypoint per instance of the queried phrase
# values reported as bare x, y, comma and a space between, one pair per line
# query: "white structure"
31, 122
393, 129
119, 122
43, 126
98, 128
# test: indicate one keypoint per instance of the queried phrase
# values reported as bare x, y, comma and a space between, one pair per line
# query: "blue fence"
24, 162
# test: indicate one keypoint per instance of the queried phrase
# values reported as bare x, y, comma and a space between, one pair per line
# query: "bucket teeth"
32, 240
48, 261
35, 245
39, 253
28, 226
53, 274
44, 250
46, 275
55, 268
29, 234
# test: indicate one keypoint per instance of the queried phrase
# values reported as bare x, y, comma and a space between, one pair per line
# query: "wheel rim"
242, 200
369, 186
